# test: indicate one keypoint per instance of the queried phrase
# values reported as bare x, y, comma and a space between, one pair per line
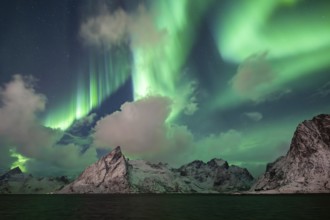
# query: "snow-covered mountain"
107, 175
113, 173
306, 166
17, 182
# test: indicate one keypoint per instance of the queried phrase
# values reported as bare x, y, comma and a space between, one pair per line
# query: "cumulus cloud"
139, 127
106, 29
255, 80
21, 131
254, 116
114, 28
20, 104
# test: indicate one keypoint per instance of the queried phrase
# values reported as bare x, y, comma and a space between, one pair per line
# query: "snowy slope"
16, 182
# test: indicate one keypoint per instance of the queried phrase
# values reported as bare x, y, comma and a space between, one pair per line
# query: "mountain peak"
308, 134
116, 151
215, 162
15, 170
107, 175
306, 166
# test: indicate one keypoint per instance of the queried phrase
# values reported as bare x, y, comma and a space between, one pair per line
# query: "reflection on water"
164, 207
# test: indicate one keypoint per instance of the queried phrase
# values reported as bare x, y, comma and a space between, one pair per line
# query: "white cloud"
138, 128
112, 29
254, 116
255, 80
21, 131
106, 29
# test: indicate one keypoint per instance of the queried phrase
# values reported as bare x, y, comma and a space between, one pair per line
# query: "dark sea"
157, 207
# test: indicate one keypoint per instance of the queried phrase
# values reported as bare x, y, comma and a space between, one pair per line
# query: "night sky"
167, 80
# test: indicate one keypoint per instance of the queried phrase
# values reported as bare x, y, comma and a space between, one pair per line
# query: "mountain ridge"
139, 176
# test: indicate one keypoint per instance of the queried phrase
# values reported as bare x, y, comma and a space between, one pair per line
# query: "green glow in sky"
20, 160
297, 42
256, 26
289, 41
107, 73
158, 68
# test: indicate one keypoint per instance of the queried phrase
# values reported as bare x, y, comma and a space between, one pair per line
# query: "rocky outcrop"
17, 182
108, 175
114, 174
216, 175
306, 166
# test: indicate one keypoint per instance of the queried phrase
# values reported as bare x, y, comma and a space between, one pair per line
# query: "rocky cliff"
115, 174
306, 166
17, 182
107, 175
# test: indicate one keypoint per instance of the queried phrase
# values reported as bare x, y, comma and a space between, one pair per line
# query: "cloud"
323, 91
20, 130
138, 128
106, 29
142, 131
254, 116
20, 104
114, 28
255, 80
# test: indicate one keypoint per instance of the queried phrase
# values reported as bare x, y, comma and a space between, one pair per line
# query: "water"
158, 207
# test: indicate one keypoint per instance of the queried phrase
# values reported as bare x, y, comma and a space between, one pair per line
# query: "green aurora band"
298, 44
107, 72
20, 160
245, 28
158, 69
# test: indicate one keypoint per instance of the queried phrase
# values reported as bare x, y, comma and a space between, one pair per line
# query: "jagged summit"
310, 137
218, 162
114, 174
107, 175
306, 166
115, 153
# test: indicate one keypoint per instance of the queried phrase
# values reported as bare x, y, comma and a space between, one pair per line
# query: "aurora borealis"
194, 79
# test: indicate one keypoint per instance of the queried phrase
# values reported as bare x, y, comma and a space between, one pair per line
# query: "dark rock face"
17, 182
217, 175
306, 167
114, 174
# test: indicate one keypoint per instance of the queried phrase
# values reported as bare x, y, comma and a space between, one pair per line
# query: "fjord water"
158, 207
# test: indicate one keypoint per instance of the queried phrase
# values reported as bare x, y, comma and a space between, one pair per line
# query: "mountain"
17, 182
107, 175
306, 166
114, 173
